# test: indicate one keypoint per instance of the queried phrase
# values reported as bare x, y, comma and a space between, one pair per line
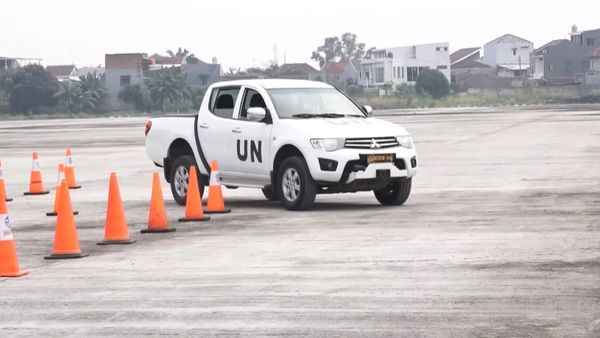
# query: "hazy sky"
243, 33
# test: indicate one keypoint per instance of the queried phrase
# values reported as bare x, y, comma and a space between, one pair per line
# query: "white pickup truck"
291, 138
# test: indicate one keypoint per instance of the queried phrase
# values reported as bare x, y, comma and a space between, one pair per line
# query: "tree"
345, 48
137, 95
30, 88
68, 96
387, 87
86, 95
268, 70
93, 92
167, 89
184, 53
406, 91
432, 82
196, 96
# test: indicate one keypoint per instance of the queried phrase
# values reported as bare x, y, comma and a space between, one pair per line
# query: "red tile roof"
296, 68
334, 68
61, 70
123, 61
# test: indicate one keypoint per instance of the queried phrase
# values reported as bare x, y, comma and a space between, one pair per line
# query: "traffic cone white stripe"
61, 177
215, 178
35, 165
5, 228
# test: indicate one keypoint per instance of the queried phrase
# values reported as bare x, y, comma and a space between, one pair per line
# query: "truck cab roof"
274, 83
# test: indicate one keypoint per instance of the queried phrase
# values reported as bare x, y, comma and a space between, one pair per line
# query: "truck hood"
344, 127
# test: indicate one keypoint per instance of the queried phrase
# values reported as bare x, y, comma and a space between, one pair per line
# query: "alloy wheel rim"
291, 184
181, 181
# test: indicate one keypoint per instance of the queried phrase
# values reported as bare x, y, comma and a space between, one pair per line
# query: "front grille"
368, 142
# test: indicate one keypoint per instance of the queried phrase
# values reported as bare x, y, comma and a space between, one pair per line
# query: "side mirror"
256, 114
368, 110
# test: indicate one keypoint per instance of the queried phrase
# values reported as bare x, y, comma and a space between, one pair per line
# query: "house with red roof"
63, 73
346, 72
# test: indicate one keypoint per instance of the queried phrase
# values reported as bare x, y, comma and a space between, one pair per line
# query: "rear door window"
222, 101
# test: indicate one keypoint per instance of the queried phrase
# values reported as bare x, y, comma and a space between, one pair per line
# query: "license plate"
379, 158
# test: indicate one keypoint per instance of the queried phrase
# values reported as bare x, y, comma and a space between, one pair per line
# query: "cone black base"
75, 187
66, 256
36, 193
157, 231
224, 211
121, 241
15, 274
75, 213
205, 218
8, 199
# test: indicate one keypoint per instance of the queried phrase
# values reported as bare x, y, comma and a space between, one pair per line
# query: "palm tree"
68, 96
167, 86
93, 91
184, 53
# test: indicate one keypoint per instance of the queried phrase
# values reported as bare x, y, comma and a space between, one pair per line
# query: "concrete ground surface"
500, 237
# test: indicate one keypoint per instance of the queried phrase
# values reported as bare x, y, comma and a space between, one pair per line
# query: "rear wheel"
180, 178
395, 193
296, 188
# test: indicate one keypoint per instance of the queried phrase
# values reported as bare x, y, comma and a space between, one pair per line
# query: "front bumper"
352, 167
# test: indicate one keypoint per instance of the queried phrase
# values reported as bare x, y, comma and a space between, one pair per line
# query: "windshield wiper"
326, 115
305, 115
333, 115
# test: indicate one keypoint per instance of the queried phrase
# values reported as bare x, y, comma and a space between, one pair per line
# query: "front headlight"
327, 144
405, 141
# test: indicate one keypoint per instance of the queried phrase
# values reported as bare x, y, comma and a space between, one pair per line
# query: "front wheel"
394, 193
296, 188
180, 178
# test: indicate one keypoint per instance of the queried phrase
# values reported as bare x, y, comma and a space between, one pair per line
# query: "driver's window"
252, 99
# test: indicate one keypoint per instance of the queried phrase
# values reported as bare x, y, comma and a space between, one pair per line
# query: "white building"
509, 54
402, 64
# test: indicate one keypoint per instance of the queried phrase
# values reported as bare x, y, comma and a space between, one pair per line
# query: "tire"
270, 193
179, 178
395, 193
295, 186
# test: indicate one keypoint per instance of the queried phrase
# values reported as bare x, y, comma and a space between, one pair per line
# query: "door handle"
204, 125
237, 130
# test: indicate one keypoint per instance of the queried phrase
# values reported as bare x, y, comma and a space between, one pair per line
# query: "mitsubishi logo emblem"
374, 144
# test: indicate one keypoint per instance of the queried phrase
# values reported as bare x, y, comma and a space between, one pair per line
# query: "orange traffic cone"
193, 202
66, 240
215, 204
9, 266
157, 219
115, 227
61, 177
3, 187
70, 171
36, 187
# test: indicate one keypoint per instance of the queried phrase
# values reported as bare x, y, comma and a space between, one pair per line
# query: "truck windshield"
312, 102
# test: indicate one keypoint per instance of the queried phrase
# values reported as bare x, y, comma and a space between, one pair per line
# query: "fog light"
413, 162
328, 165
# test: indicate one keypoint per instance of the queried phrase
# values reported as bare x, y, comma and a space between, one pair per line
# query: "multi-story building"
403, 64
560, 61
122, 70
11, 63
589, 39
509, 55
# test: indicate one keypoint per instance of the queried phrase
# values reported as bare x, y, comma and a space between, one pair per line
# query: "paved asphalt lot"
501, 237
